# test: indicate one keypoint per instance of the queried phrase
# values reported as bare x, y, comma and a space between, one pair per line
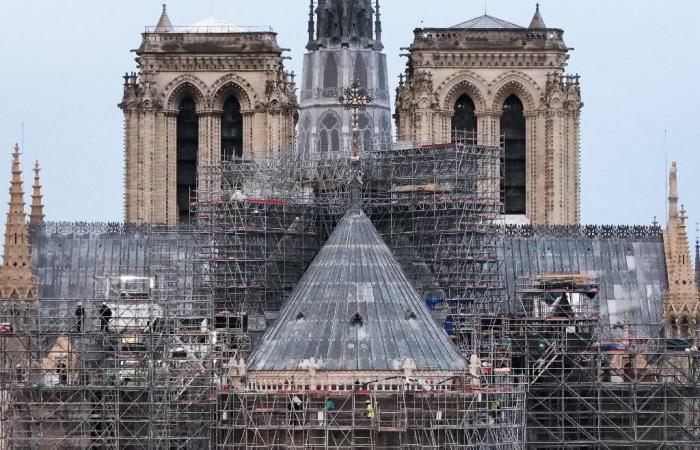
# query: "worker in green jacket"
370, 410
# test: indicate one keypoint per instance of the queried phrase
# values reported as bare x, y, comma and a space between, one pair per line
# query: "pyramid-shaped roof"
354, 309
486, 22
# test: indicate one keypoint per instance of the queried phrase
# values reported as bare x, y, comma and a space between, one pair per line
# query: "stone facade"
344, 46
206, 64
490, 60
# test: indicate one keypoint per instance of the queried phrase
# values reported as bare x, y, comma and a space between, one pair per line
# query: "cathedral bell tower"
204, 93
345, 46
498, 82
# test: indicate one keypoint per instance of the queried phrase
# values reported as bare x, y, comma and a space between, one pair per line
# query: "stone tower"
682, 301
16, 278
345, 45
204, 93
489, 78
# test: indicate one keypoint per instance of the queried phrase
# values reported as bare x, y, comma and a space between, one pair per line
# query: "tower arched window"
329, 133
187, 146
305, 135
231, 130
364, 128
513, 181
360, 71
464, 118
330, 77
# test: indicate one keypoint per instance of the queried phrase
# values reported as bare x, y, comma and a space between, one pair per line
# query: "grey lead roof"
355, 272
631, 271
486, 22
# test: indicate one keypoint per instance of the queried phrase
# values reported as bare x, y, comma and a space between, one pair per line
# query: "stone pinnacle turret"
16, 278
682, 301
36, 214
164, 25
537, 22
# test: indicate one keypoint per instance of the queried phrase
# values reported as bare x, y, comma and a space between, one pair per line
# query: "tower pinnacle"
16, 279
164, 25
681, 301
312, 26
537, 21
36, 215
378, 28
673, 192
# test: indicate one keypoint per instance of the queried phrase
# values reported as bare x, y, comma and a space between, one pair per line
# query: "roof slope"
631, 271
486, 22
355, 272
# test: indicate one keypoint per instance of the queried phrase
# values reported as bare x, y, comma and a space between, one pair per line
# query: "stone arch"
518, 84
305, 136
461, 83
233, 84
183, 86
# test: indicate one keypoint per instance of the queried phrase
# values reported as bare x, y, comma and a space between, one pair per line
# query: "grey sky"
63, 61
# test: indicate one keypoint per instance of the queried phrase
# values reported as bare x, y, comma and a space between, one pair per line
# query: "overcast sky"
63, 62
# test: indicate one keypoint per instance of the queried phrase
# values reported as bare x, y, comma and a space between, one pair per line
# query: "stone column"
249, 117
147, 134
536, 166
159, 169
131, 179
167, 212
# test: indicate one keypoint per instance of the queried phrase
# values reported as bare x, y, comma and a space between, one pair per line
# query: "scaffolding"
546, 370
436, 206
130, 366
595, 385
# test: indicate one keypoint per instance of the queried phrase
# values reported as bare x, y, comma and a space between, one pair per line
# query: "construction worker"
79, 314
295, 406
495, 408
105, 316
370, 410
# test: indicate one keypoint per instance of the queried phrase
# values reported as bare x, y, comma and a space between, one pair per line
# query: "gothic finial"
16, 279
164, 25
312, 27
36, 215
673, 191
537, 21
378, 28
